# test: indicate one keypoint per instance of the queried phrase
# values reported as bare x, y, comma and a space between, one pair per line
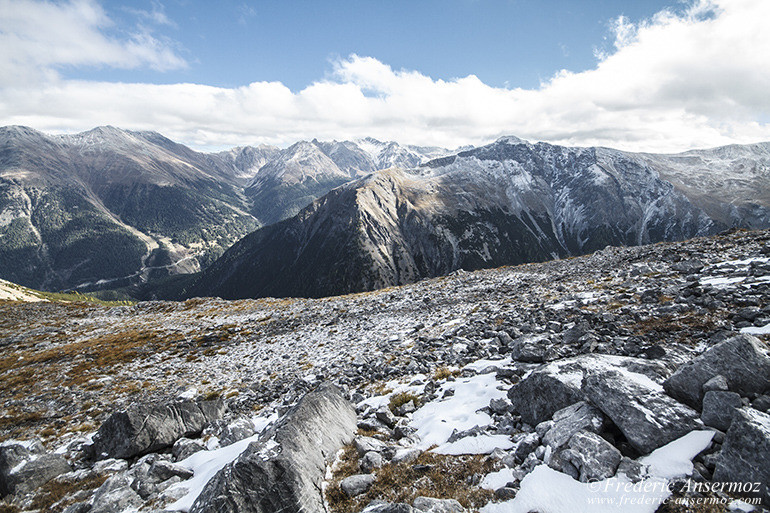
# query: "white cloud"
695, 79
39, 37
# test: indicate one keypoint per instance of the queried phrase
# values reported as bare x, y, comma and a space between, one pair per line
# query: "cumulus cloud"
37, 38
696, 78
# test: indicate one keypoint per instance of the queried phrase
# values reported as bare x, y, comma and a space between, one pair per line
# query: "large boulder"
556, 385
745, 455
284, 470
24, 466
742, 360
147, 428
639, 408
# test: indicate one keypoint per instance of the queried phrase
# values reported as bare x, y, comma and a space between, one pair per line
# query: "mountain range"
109, 208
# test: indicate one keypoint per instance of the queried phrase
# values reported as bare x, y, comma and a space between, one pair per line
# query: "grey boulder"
151, 427
529, 348
284, 470
32, 473
719, 408
593, 456
742, 360
745, 455
355, 485
639, 408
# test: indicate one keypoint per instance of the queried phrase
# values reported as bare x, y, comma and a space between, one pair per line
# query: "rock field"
476, 391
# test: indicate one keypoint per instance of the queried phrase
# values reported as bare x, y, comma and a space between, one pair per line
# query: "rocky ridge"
442, 374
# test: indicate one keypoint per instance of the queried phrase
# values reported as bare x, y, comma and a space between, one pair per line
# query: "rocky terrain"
636, 374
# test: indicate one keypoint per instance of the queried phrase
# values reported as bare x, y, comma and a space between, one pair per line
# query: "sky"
641, 75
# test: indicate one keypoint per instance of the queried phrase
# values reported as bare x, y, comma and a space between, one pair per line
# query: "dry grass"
398, 400
447, 477
52, 496
444, 372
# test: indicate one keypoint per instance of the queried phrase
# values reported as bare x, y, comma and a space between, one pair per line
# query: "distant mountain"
505, 203
112, 206
308, 170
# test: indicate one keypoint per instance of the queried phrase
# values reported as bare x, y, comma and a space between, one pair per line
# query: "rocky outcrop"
741, 360
745, 456
145, 428
284, 470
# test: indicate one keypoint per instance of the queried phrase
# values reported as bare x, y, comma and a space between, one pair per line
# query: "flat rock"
284, 470
742, 360
145, 428
639, 408
33, 473
745, 455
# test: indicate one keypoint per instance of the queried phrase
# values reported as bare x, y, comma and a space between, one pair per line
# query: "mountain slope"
505, 203
110, 204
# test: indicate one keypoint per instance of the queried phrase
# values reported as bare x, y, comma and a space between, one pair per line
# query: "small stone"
716, 383
355, 485
386, 416
370, 461
364, 444
761, 403
505, 493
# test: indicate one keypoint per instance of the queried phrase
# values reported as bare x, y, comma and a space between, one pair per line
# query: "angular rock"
386, 416
525, 444
371, 461
115, 494
163, 470
593, 456
357, 484
761, 403
151, 427
568, 421
284, 469
639, 408
529, 348
716, 383
364, 444
431, 505
745, 455
398, 507
742, 360
236, 431
719, 407
185, 447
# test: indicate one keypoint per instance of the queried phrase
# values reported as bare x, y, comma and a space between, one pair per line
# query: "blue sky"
506, 43
638, 74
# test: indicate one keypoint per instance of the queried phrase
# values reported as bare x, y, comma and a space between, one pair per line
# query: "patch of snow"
739, 505
674, 459
722, 281
482, 444
497, 480
754, 330
436, 420
480, 365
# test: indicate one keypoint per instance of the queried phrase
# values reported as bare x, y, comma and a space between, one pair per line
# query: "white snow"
497, 480
721, 281
547, 491
674, 459
482, 444
480, 365
754, 330
436, 420
205, 464
739, 505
